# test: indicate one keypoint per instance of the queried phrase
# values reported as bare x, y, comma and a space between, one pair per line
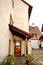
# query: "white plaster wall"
41, 44
5, 35
29, 48
20, 21
12, 48
35, 44
23, 48
11, 37
21, 15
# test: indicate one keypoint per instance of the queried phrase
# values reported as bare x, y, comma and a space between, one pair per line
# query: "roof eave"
18, 32
27, 3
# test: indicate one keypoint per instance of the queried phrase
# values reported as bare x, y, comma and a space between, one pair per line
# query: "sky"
37, 13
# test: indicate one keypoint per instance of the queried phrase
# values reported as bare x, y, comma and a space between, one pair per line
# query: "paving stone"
38, 55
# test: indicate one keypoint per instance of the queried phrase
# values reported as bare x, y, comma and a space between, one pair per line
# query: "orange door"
17, 49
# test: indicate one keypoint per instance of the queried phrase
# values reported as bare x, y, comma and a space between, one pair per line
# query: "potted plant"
29, 58
9, 59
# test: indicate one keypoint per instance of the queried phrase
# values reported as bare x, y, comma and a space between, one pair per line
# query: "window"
17, 45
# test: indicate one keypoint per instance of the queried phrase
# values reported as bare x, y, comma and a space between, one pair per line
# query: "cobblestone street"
38, 55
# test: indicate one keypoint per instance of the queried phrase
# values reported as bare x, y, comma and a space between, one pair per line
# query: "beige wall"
23, 48
5, 35
20, 18
29, 48
42, 44
21, 15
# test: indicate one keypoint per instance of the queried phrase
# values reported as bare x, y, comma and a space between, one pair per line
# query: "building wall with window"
5, 35
20, 21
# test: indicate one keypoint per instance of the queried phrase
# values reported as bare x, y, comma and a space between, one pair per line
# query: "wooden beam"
26, 40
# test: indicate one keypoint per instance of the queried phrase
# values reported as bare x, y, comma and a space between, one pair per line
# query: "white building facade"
20, 19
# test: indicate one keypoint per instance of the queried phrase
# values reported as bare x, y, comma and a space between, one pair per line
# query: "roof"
18, 32
34, 30
26, 3
34, 38
30, 7
42, 28
41, 37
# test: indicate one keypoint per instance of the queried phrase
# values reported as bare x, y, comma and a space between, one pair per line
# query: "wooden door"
17, 49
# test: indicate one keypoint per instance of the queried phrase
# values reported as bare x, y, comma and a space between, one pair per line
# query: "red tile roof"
34, 30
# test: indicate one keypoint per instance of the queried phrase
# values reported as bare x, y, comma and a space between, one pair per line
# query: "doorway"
17, 49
